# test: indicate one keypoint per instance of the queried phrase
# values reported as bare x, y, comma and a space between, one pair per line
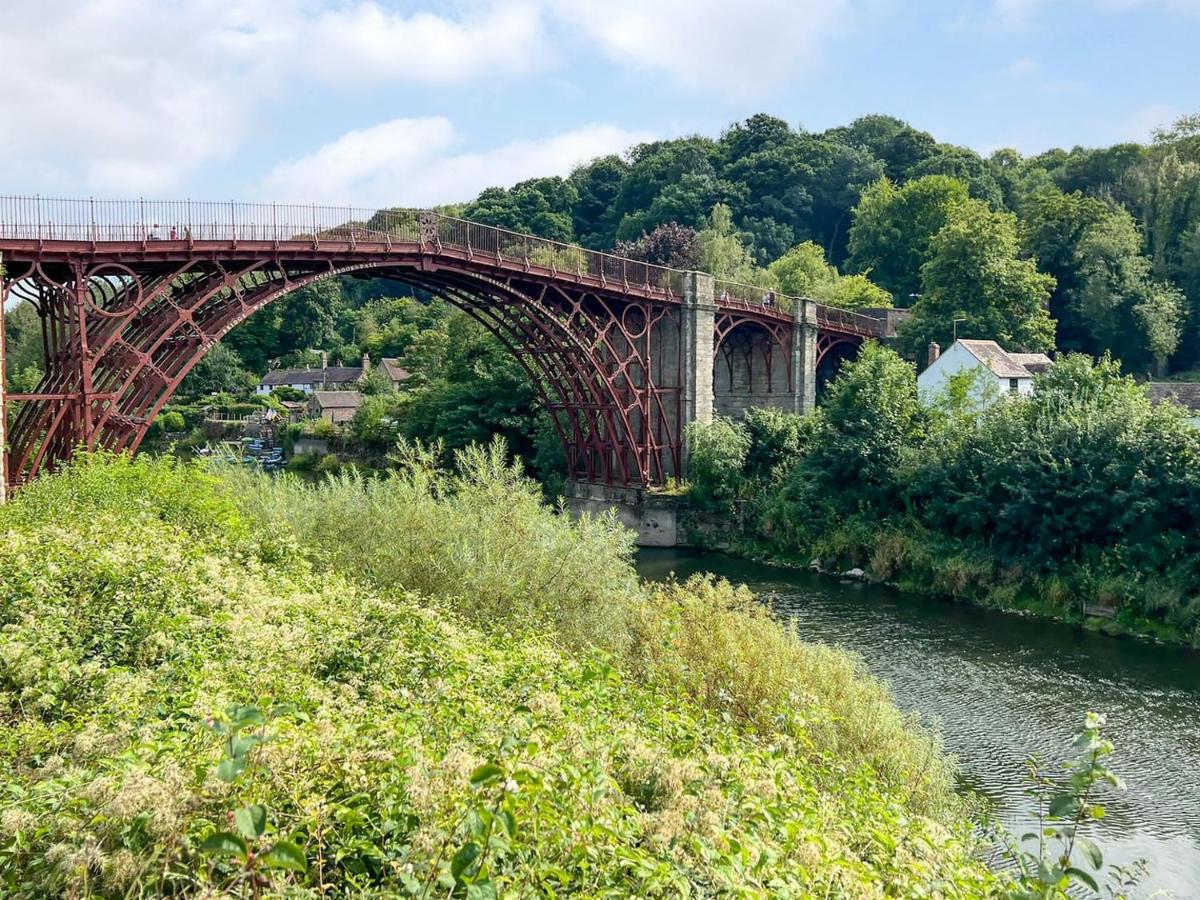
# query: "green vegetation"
426, 684
1078, 501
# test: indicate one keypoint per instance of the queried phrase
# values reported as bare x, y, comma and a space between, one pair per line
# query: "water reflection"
1001, 686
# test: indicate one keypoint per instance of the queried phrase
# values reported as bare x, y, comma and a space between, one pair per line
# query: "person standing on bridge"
174, 233
154, 235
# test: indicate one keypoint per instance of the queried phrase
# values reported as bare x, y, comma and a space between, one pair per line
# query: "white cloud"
1021, 68
367, 42
413, 162
743, 49
125, 96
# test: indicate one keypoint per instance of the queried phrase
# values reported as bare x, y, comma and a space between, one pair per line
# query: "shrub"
716, 459
480, 539
728, 652
777, 440
171, 421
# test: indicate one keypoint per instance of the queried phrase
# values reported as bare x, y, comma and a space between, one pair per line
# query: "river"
1001, 686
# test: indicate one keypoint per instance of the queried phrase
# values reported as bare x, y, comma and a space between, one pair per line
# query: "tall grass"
481, 540
478, 537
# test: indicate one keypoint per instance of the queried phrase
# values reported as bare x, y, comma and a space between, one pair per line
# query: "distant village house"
330, 378
337, 407
994, 371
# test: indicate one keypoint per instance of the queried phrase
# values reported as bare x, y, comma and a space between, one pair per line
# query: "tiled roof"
995, 358
393, 370
1185, 393
337, 399
330, 375
1035, 363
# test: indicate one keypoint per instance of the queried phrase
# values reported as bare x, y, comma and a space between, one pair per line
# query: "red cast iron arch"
587, 355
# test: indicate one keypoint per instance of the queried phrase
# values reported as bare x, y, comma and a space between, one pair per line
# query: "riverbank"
909, 560
1080, 502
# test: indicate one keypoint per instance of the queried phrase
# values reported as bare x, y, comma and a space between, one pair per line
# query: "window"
1012, 385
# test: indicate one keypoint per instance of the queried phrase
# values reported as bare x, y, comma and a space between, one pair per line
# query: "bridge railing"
837, 319
752, 296
55, 219
570, 260
834, 318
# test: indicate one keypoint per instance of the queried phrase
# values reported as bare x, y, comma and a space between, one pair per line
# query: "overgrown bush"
191, 708
716, 459
479, 538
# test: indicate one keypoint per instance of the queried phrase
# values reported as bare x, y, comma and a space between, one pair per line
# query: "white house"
992, 371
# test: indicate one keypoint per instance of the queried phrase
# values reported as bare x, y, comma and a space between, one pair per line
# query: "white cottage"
995, 371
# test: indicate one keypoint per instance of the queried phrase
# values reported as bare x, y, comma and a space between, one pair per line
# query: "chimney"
366, 363
934, 352
324, 360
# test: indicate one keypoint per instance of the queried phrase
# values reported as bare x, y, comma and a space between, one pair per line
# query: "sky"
385, 103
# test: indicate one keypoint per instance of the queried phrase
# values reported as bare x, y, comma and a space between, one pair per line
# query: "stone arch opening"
752, 366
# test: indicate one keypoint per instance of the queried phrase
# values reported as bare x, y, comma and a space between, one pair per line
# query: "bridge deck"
42, 230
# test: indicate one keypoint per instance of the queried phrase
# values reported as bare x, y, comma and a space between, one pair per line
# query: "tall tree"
1109, 277
1160, 314
893, 141
893, 227
804, 272
671, 245
597, 185
1055, 225
723, 254
975, 274
967, 166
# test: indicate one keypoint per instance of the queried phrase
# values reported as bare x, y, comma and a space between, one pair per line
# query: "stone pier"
652, 517
804, 355
698, 325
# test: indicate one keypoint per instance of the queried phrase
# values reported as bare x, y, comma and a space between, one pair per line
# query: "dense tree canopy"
976, 285
893, 227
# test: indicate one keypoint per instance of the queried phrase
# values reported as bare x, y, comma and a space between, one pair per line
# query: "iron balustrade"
148, 221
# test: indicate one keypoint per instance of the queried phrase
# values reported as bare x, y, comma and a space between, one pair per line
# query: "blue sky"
376, 102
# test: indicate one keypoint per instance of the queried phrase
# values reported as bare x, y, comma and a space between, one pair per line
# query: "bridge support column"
698, 325
804, 355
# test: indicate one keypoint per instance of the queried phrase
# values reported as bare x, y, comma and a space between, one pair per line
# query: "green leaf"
1063, 806
251, 821
464, 859
243, 744
481, 890
285, 855
222, 843
1083, 878
1092, 852
508, 821
230, 768
246, 715
488, 773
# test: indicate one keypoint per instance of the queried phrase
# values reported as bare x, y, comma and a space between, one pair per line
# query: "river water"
1001, 686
